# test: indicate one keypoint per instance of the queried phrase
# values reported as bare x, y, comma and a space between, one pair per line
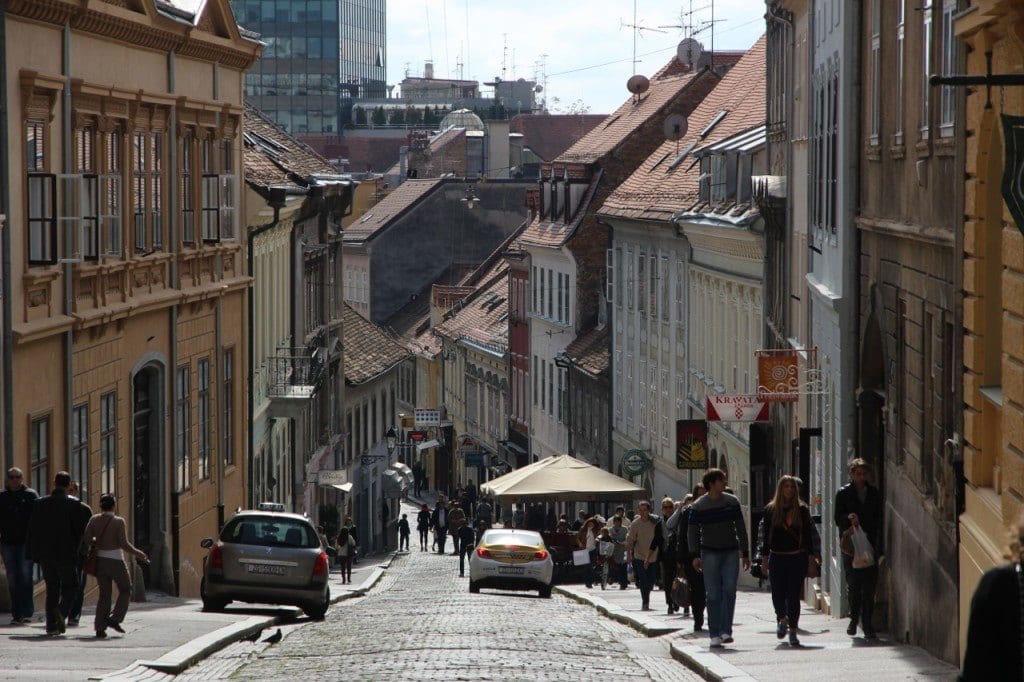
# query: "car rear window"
270, 531
501, 537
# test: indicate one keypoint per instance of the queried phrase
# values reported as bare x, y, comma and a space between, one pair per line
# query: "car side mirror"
206, 543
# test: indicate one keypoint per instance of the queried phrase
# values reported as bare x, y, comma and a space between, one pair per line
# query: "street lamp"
391, 438
563, 361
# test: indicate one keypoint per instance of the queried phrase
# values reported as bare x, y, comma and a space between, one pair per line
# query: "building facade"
910, 388
128, 276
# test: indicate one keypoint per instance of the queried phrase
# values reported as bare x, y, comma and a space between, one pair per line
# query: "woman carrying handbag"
109, 536
785, 542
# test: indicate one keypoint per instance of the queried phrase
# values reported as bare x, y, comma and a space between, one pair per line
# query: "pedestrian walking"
54, 538
107, 533
466, 538
74, 493
16, 503
456, 520
439, 524
859, 505
716, 534
423, 526
617, 532
643, 540
403, 533
786, 549
995, 638
586, 538
686, 569
620, 514
349, 524
670, 517
417, 477
483, 513
345, 551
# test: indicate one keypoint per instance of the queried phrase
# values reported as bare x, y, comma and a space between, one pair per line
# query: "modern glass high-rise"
318, 51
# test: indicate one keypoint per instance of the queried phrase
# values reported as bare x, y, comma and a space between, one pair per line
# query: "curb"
708, 665
617, 614
178, 660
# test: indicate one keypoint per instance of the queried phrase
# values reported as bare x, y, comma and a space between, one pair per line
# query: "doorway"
147, 455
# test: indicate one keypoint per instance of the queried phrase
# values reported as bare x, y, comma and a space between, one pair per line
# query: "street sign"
475, 459
736, 408
635, 462
417, 436
427, 417
337, 477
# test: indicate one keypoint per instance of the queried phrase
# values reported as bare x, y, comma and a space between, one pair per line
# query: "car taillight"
483, 552
216, 558
320, 567
540, 555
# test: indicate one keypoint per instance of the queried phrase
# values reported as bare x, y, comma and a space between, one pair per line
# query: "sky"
588, 43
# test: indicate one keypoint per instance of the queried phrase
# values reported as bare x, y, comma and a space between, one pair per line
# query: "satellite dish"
689, 52
674, 127
538, 88
638, 84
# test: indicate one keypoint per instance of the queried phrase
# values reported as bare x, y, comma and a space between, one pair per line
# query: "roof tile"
548, 135
273, 157
400, 199
369, 351
591, 350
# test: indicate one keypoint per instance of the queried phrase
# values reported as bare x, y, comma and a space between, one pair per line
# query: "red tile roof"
273, 157
549, 135
397, 202
553, 234
661, 186
591, 350
609, 134
483, 317
368, 350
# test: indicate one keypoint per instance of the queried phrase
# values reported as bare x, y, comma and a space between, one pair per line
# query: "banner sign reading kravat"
1013, 171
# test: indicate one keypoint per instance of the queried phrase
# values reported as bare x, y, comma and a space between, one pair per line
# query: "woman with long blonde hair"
787, 549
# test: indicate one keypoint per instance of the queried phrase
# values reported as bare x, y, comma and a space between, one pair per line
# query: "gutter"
7, 418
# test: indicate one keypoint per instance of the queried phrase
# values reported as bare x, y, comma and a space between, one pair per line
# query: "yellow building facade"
993, 439
127, 263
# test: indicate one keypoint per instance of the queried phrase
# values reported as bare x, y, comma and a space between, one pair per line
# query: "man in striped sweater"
715, 535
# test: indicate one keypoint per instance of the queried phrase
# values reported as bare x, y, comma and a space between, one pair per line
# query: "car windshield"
270, 531
506, 537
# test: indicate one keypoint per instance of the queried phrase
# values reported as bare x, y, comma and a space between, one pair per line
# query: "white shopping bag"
580, 557
863, 554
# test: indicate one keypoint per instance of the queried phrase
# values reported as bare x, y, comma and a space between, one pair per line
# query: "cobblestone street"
420, 622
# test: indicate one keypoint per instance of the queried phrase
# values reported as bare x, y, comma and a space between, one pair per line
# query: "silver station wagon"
267, 557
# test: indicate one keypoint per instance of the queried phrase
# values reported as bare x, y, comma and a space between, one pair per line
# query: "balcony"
293, 378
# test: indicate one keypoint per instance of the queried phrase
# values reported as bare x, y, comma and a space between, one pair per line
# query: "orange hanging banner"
778, 375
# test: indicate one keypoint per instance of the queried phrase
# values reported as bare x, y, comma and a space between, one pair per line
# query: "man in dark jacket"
859, 504
439, 522
16, 503
54, 537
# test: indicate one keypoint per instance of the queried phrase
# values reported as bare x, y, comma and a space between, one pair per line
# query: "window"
108, 442
110, 192
79, 465
551, 389
183, 435
663, 279
204, 418
147, 191
876, 69
551, 293
901, 20
926, 66
42, 198
535, 371
39, 454
947, 103
641, 283
80, 198
652, 290
188, 207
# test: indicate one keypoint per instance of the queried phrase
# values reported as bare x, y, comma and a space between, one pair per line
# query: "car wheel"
209, 603
545, 591
474, 587
318, 611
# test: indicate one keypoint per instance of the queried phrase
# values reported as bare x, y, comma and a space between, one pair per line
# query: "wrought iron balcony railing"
294, 374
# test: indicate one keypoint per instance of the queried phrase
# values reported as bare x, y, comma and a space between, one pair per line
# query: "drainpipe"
276, 201
5, 255
218, 351
67, 162
172, 244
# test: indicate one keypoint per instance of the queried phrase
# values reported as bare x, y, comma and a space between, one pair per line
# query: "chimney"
428, 70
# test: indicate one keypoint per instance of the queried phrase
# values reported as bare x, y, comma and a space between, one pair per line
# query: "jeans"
19, 580
860, 588
61, 587
645, 578
588, 571
403, 542
721, 571
787, 573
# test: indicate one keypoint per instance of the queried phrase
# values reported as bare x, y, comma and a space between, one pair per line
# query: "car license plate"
265, 569
511, 570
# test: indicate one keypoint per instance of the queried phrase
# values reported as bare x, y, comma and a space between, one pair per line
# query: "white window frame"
901, 48
876, 71
947, 94
927, 44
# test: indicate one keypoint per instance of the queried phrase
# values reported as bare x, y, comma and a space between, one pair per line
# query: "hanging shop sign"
635, 462
691, 444
736, 408
1013, 171
778, 375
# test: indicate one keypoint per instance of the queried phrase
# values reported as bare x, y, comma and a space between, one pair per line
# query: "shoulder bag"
89, 565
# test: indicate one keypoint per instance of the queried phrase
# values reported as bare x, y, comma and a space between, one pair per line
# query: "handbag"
812, 567
89, 563
863, 554
580, 557
681, 592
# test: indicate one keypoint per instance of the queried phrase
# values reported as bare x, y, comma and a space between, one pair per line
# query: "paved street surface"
420, 622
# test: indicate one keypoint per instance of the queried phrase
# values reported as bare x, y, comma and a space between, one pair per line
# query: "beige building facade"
128, 281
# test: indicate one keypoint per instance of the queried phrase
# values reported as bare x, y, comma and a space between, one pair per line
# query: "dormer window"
567, 199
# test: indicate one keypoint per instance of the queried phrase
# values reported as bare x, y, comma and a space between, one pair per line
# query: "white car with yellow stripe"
511, 559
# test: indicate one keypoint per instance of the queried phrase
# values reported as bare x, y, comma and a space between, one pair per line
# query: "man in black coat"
54, 537
859, 504
16, 502
439, 522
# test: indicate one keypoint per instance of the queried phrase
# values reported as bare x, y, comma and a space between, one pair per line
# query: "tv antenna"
637, 28
692, 28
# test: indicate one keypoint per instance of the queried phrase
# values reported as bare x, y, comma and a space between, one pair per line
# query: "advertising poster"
691, 444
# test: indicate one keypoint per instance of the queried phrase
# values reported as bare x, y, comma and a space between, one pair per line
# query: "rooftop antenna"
504, 55
637, 28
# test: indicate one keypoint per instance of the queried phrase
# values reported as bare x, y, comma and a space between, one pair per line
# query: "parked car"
511, 559
268, 557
